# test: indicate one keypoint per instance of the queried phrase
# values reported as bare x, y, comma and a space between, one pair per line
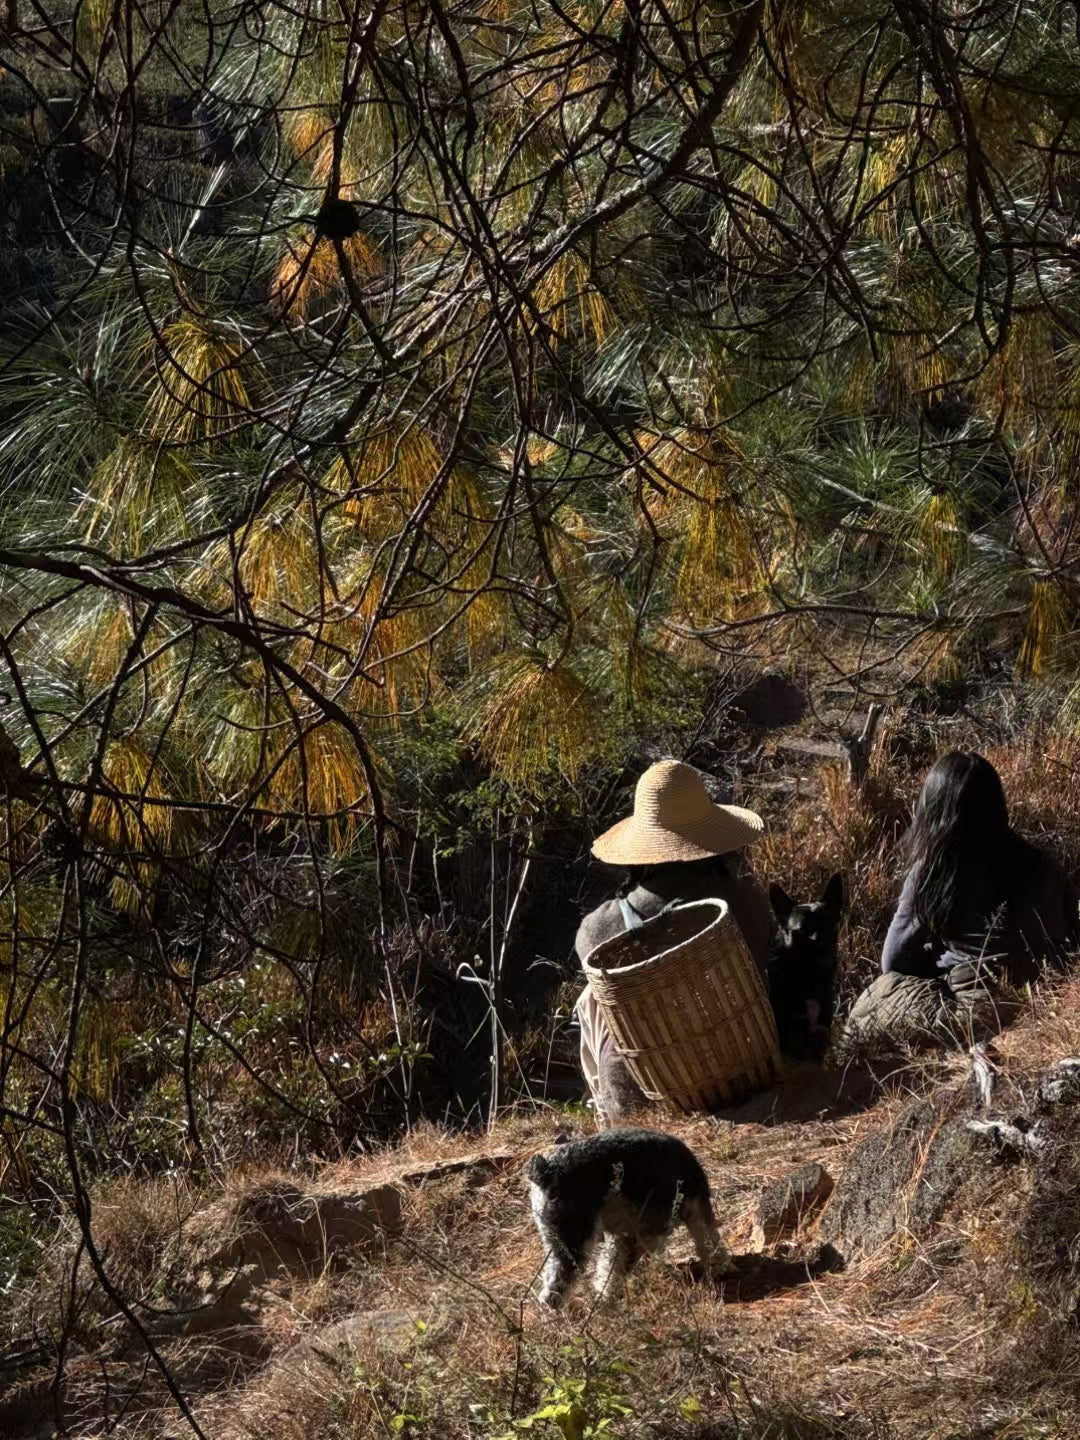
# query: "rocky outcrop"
279, 1226
786, 1205
902, 1177
1061, 1083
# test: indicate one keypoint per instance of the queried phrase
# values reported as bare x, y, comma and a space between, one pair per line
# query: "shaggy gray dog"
627, 1189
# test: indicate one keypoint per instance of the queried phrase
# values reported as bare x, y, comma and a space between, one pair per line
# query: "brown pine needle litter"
931, 1336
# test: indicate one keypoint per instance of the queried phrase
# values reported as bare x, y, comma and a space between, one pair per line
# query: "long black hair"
961, 826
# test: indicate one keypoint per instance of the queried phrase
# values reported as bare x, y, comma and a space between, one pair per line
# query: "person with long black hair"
976, 891
979, 905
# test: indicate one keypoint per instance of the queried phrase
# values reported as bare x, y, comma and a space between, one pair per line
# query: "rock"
902, 1177
956, 1011
279, 1226
1061, 1083
1011, 1139
479, 1168
785, 1205
771, 701
213, 1312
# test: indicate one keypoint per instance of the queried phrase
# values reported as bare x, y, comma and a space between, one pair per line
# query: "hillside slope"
935, 1295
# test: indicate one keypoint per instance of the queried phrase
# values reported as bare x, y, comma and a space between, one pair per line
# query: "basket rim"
721, 906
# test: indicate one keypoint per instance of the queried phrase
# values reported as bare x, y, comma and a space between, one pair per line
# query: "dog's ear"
539, 1169
781, 902
834, 896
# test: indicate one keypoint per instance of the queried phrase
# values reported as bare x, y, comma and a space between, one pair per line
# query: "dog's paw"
550, 1299
721, 1264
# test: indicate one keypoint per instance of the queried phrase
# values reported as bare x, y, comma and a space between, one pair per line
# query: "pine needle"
198, 387
308, 270
534, 718
938, 534
1046, 623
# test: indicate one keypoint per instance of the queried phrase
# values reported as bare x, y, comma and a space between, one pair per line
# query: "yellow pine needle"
720, 565
916, 363
135, 493
390, 472
538, 450
690, 458
937, 656
198, 388
97, 1055
97, 639
306, 130
938, 534
129, 828
396, 665
1046, 623
322, 775
626, 647
568, 534
487, 620
122, 824
279, 569
535, 718
885, 165
1020, 382
497, 11
349, 172
564, 287
308, 270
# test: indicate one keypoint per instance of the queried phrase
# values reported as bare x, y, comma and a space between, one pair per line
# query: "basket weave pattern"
687, 1008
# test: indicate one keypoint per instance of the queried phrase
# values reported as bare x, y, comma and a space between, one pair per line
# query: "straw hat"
674, 819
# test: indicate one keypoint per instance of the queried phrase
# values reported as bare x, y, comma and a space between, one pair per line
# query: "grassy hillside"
944, 1308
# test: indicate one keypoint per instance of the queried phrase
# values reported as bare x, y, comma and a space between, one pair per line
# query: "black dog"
802, 969
627, 1189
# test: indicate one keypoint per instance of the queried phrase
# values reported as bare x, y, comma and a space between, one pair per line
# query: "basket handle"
631, 919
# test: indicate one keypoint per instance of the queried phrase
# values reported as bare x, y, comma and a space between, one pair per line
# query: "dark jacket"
749, 906
1035, 925
613, 1087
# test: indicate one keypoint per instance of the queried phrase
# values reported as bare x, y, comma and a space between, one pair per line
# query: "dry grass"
926, 1339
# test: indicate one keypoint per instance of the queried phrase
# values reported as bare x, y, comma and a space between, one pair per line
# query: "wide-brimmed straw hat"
674, 819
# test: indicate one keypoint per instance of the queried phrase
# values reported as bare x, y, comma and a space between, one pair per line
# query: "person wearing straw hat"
678, 845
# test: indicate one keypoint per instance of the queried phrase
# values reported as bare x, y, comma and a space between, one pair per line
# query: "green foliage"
579, 1406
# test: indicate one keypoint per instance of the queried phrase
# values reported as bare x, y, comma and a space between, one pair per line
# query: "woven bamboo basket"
687, 1007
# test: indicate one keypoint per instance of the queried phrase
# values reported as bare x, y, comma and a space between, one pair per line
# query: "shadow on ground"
808, 1092
762, 1275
